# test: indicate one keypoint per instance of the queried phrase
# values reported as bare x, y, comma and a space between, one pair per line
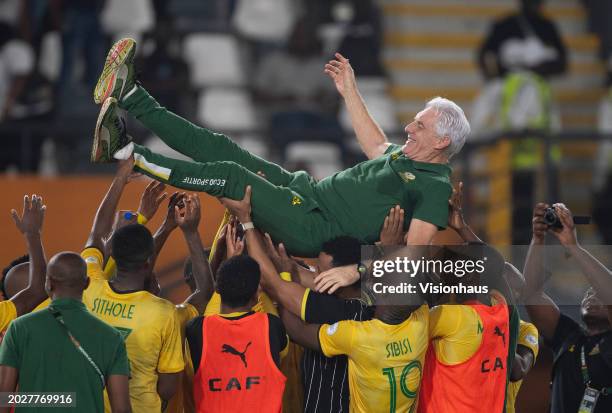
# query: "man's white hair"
451, 122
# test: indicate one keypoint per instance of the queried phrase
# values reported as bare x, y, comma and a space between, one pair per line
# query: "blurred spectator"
363, 39
518, 55
523, 41
81, 34
301, 101
16, 63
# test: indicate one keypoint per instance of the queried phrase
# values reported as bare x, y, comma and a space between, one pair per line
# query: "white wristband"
247, 226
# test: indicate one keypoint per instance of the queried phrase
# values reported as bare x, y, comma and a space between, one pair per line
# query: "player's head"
339, 251
531, 6
15, 276
132, 248
438, 132
594, 312
472, 265
238, 281
66, 275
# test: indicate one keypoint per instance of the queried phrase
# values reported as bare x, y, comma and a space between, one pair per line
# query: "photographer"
582, 369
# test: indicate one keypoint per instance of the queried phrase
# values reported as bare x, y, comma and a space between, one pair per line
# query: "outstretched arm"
456, 219
596, 273
304, 334
370, 136
188, 221
542, 310
103, 221
165, 229
30, 224
288, 294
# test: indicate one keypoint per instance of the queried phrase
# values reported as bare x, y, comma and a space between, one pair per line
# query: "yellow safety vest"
527, 152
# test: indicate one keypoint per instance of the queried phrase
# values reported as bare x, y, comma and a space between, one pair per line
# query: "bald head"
66, 274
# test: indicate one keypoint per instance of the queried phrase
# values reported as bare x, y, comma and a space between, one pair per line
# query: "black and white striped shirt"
325, 379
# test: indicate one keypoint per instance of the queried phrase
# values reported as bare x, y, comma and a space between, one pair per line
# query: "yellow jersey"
384, 361
528, 337
8, 312
182, 402
454, 332
149, 325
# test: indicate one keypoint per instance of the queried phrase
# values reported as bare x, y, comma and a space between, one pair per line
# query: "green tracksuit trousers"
283, 203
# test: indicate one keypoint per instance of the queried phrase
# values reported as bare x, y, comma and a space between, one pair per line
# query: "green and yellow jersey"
384, 361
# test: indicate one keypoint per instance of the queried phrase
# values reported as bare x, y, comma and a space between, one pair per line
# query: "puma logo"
500, 333
231, 350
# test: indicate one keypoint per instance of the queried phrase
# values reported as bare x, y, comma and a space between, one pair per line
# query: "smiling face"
423, 143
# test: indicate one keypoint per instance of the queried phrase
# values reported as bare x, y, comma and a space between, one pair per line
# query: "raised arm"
288, 294
370, 136
542, 310
169, 224
30, 224
188, 221
456, 220
596, 273
304, 334
103, 220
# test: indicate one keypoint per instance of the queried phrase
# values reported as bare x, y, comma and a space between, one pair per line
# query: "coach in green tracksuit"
293, 207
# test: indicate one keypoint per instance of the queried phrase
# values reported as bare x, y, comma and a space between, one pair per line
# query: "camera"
552, 219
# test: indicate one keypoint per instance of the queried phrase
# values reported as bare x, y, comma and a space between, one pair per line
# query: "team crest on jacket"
296, 201
407, 176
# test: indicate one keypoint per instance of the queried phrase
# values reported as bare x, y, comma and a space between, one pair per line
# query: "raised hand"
342, 74
538, 224
392, 232
566, 235
176, 199
241, 209
188, 218
151, 199
455, 202
282, 261
234, 244
125, 170
32, 216
330, 280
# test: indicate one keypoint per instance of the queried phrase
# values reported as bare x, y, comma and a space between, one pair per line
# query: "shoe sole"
121, 52
108, 104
